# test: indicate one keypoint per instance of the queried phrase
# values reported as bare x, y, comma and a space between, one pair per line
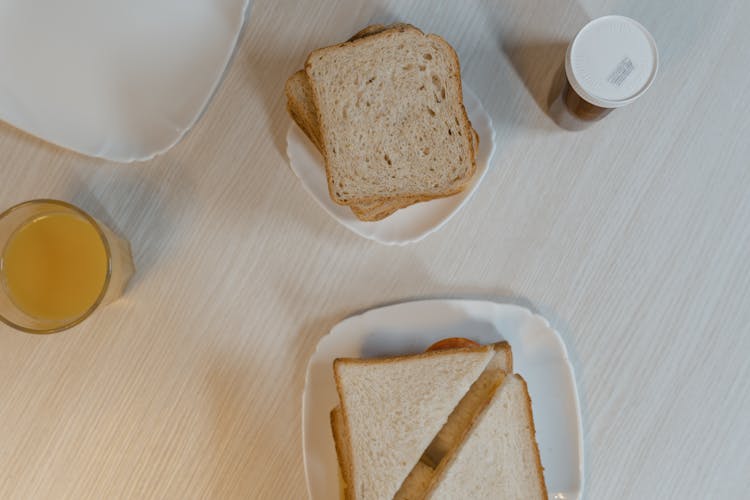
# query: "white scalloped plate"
409, 224
117, 79
539, 355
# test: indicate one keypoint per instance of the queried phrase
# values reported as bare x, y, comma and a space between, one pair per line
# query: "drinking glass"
57, 266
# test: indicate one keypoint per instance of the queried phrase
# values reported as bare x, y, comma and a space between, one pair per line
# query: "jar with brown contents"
580, 107
609, 64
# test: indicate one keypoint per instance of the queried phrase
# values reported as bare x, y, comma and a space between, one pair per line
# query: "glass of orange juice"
57, 266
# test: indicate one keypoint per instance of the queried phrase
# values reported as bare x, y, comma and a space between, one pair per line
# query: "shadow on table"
147, 204
535, 45
491, 34
540, 65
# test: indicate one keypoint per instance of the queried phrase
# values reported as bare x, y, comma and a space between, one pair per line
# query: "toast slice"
302, 110
499, 457
391, 116
392, 408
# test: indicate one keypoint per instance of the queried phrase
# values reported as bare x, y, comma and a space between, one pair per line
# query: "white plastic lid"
611, 61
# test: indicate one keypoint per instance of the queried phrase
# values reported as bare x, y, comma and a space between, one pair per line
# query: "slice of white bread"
302, 110
392, 408
499, 457
299, 98
391, 116
459, 422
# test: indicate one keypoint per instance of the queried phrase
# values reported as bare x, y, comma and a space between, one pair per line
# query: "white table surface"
632, 237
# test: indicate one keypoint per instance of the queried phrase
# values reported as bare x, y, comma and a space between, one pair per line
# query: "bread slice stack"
385, 109
447, 424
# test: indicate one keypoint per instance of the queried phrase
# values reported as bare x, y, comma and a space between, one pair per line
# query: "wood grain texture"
632, 237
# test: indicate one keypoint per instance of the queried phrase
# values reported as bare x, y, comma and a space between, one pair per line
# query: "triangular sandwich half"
499, 457
392, 408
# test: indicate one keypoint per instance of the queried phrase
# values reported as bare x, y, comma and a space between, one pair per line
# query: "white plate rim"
244, 17
482, 122
379, 309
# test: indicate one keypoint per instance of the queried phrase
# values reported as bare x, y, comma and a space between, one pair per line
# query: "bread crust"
401, 357
294, 108
505, 347
532, 430
341, 453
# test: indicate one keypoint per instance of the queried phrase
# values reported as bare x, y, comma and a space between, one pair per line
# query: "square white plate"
539, 355
406, 225
118, 79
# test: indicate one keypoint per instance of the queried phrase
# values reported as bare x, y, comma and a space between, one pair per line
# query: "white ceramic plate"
409, 224
539, 355
118, 79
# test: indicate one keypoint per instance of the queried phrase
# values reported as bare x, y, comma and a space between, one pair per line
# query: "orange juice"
54, 267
